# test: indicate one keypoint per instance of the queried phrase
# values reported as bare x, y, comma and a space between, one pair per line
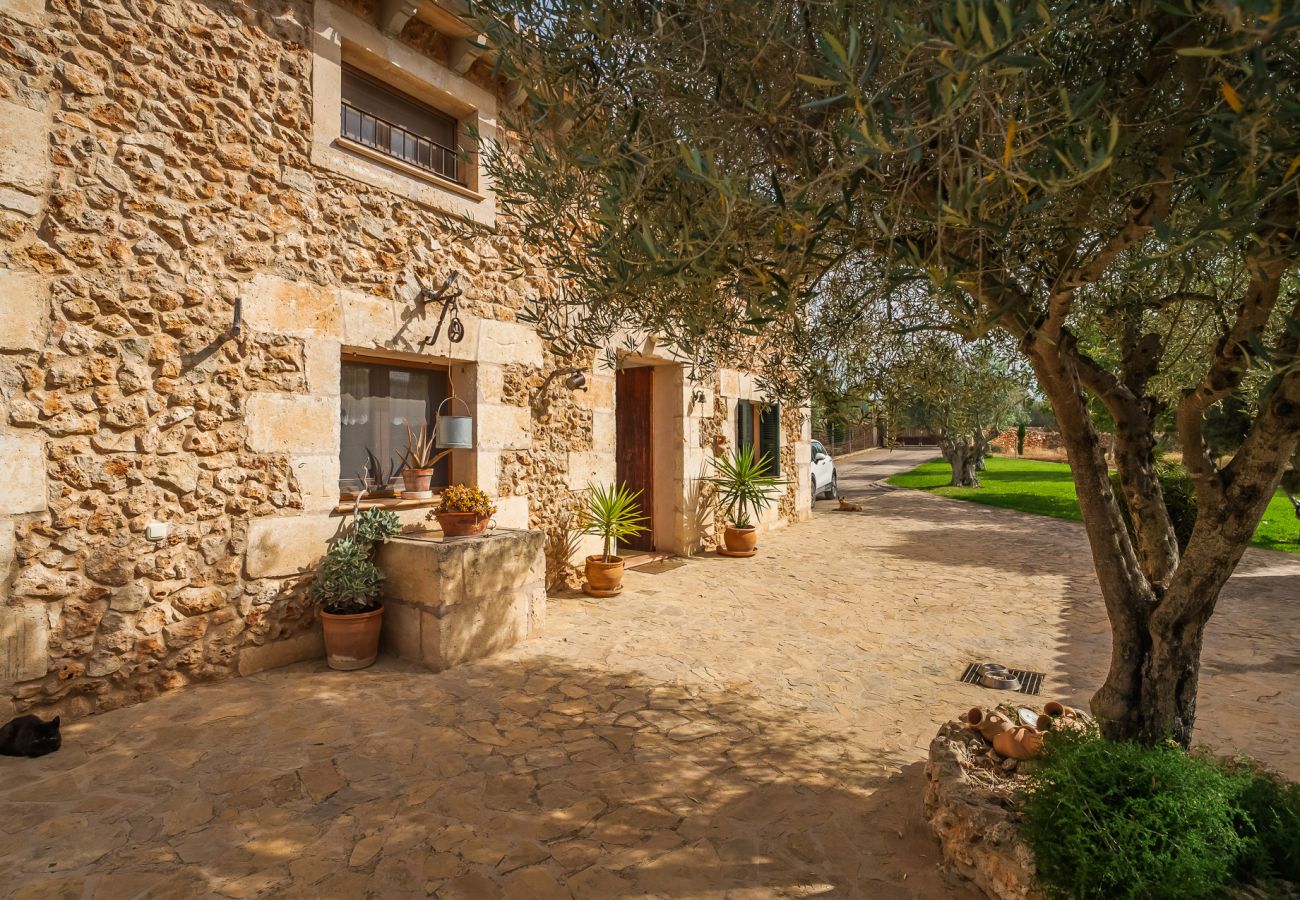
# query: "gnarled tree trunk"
962, 455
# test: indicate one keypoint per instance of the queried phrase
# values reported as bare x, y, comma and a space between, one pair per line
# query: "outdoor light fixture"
574, 379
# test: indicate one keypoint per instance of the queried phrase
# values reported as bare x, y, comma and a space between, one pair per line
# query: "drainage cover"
1030, 682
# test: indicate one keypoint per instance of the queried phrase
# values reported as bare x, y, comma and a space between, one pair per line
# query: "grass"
1046, 489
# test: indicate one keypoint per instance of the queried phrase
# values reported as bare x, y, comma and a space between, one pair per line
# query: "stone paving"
726, 728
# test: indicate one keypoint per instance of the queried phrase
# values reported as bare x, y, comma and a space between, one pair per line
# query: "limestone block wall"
156, 175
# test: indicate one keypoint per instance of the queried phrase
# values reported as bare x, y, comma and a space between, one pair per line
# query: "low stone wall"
449, 602
1042, 442
969, 803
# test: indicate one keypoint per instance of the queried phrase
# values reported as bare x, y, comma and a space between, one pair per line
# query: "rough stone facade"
161, 167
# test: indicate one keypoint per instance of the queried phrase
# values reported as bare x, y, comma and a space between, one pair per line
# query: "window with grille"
397, 125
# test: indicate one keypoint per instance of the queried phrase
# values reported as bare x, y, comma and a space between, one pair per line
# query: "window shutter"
744, 424
769, 438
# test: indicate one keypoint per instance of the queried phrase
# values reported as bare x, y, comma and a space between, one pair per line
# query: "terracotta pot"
1022, 742
605, 576
988, 724
352, 640
460, 524
740, 540
417, 480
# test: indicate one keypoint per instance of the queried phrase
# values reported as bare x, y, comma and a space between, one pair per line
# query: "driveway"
737, 728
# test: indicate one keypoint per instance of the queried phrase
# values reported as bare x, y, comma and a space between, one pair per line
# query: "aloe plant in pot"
612, 514
347, 589
746, 487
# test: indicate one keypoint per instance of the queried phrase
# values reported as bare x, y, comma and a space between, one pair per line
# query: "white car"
825, 483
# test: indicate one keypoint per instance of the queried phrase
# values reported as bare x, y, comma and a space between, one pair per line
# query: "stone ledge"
968, 803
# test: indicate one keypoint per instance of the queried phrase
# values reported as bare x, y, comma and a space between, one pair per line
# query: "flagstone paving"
726, 728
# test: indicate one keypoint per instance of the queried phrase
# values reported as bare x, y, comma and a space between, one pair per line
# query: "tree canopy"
1111, 186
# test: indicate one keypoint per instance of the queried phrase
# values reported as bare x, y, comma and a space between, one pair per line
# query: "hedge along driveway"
1046, 488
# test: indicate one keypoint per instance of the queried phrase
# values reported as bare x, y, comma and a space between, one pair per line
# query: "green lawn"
1045, 488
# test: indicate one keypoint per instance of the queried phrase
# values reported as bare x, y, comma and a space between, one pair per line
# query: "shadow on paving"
518, 778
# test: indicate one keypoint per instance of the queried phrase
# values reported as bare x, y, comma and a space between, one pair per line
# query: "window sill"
407, 169
395, 503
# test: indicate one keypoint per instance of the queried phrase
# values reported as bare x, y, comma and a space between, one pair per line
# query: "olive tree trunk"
1158, 600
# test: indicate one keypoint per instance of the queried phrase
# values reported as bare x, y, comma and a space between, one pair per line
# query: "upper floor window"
398, 125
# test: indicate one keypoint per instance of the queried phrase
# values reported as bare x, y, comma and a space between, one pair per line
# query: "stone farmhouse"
216, 218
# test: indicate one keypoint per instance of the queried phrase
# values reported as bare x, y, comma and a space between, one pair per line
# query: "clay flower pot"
740, 540
1021, 742
604, 578
417, 481
352, 640
988, 724
461, 524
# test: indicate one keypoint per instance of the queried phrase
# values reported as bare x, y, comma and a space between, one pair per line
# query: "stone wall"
156, 174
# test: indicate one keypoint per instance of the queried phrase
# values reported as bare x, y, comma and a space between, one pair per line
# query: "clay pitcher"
988, 724
1022, 742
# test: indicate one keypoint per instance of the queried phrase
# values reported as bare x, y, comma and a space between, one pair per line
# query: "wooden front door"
635, 458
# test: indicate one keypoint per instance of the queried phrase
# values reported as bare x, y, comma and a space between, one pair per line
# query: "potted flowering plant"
612, 513
347, 589
464, 511
746, 488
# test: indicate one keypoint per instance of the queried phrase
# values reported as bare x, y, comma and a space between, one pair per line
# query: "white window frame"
341, 36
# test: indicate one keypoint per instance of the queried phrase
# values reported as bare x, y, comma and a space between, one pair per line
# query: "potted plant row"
613, 514
464, 511
746, 487
347, 590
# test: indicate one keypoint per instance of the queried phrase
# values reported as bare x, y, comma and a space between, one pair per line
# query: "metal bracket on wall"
447, 295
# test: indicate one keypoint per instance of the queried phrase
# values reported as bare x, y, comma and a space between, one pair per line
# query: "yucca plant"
745, 485
421, 449
612, 514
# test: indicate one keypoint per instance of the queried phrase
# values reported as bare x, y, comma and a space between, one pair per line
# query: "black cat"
29, 736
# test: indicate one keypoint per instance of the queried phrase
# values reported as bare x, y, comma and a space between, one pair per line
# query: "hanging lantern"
453, 432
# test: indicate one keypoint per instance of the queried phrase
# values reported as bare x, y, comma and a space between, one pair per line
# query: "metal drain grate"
1030, 682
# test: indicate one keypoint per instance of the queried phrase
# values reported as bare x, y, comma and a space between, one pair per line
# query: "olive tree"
1112, 186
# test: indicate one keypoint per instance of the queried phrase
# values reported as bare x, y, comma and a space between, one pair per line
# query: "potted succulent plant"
420, 456
612, 513
347, 589
746, 488
463, 511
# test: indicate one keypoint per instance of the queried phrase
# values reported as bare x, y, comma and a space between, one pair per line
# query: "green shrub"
1269, 817
1180, 500
1111, 819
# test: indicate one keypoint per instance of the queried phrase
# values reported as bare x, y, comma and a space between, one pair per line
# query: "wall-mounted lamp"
574, 379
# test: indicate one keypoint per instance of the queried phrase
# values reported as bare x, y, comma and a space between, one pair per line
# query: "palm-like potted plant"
420, 456
746, 487
347, 589
612, 514
464, 511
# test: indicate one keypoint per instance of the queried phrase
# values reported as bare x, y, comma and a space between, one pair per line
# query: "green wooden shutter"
744, 425
769, 438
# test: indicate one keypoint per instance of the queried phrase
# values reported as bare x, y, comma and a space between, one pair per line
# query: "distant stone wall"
1041, 441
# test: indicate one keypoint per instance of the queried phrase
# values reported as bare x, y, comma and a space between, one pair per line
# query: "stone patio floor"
726, 728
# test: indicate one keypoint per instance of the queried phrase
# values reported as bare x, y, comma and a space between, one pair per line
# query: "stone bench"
449, 601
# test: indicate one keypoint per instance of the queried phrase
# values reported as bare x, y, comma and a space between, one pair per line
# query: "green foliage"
612, 513
348, 581
1116, 820
1269, 815
1179, 495
744, 485
1226, 425
375, 525
1020, 439
1047, 489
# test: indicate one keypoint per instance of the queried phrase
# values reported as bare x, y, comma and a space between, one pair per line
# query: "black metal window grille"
408, 140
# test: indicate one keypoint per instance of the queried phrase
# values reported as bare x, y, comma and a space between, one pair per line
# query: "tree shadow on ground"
519, 777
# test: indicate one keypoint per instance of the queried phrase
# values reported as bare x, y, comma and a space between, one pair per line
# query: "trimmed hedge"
1108, 819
